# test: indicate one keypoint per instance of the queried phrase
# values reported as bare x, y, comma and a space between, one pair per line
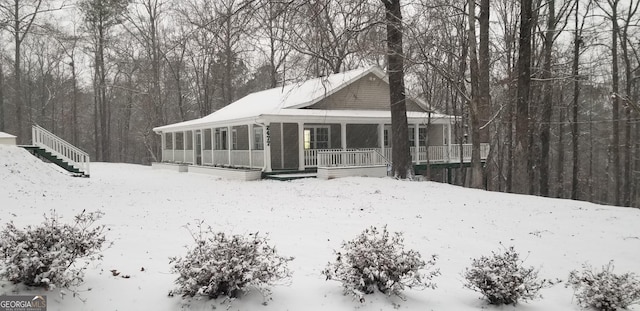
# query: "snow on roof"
6, 135
271, 101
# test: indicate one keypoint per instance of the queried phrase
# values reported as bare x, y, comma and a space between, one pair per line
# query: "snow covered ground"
147, 210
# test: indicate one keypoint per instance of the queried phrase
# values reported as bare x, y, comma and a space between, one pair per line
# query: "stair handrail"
60, 147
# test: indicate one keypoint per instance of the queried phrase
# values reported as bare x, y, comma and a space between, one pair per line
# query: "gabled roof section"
292, 96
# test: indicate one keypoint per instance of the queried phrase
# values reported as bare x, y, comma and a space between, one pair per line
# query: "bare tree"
522, 149
402, 167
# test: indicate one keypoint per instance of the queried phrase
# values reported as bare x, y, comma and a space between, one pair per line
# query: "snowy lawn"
147, 210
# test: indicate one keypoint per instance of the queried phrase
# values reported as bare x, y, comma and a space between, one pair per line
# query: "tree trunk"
576, 97
615, 81
523, 169
547, 101
2, 124
476, 166
402, 166
560, 163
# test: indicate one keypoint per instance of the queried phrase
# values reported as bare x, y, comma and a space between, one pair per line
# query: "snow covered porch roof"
288, 103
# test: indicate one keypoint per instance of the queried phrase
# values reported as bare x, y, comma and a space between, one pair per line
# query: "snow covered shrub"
223, 265
604, 290
47, 255
502, 279
377, 259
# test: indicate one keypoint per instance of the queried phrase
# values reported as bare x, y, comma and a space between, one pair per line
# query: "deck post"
184, 146
416, 134
173, 146
300, 146
250, 134
449, 142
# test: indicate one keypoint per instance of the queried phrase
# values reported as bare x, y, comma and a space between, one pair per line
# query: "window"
412, 136
221, 139
317, 137
387, 136
188, 141
422, 135
179, 140
258, 141
234, 139
207, 139
168, 141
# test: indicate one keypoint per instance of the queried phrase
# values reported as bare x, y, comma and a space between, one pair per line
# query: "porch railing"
350, 158
436, 154
60, 148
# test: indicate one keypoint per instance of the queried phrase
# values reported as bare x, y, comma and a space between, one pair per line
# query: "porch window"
207, 139
387, 136
317, 137
179, 140
412, 136
168, 141
422, 135
258, 141
234, 139
188, 142
221, 139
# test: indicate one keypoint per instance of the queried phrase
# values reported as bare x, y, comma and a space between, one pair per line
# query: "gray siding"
436, 136
368, 93
290, 145
362, 136
243, 138
276, 155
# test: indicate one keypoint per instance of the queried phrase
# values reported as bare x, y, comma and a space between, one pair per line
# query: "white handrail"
61, 148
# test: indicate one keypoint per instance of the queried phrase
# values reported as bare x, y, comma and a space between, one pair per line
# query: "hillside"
147, 210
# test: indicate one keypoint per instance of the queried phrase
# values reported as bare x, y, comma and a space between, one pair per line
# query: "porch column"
202, 137
193, 146
173, 146
229, 138
213, 146
300, 146
163, 144
250, 134
416, 133
448, 142
266, 138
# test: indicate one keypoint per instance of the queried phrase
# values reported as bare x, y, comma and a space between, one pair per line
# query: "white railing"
350, 158
361, 157
60, 148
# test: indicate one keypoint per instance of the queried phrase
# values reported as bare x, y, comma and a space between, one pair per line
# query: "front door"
198, 147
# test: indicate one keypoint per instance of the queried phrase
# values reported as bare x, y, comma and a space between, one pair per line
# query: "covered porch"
274, 143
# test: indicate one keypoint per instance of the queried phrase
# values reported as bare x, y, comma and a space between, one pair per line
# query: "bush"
46, 256
604, 290
376, 259
222, 265
502, 279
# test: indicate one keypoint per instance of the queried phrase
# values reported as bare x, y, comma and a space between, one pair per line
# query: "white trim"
250, 143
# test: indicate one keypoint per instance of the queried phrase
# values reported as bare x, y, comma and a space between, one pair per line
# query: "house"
340, 122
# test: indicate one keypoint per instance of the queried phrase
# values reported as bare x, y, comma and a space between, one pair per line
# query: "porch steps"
290, 175
44, 154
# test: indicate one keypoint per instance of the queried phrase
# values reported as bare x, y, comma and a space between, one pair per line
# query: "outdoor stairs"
47, 146
43, 153
290, 175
